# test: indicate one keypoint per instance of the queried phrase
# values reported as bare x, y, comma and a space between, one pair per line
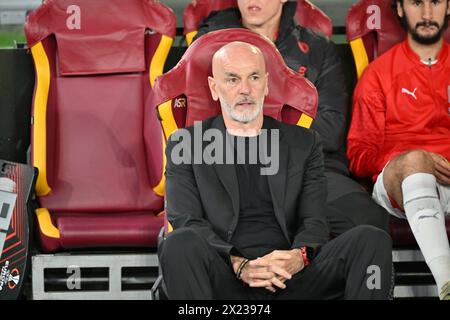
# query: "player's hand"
441, 169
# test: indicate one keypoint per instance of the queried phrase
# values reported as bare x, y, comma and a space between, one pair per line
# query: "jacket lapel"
277, 182
227, 172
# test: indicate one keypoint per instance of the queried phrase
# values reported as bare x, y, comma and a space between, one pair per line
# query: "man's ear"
400, 11
213, 88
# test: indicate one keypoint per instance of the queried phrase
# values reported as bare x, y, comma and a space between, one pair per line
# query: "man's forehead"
239, 58
241, 64
241, 67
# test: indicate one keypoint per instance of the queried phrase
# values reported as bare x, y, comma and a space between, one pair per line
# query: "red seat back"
372, 29
292, 98
95, 64
308, 15
182, 95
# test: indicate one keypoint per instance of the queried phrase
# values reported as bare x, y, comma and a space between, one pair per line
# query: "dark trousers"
344, 267
349, 205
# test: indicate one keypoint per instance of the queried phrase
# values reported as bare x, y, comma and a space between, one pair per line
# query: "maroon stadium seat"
182, 95
308, 15
401, 232
367, 44
100, 182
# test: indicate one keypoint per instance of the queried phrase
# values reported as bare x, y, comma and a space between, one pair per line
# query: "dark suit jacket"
206, 197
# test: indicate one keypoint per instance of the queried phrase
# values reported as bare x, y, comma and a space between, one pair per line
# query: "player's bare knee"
414, 161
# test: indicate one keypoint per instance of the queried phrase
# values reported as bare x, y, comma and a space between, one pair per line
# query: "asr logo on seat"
180, 103
73, 22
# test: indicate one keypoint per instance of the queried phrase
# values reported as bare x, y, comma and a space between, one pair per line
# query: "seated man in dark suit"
255, 228
309, 53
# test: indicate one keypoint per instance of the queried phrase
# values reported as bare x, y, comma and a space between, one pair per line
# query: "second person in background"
315, 56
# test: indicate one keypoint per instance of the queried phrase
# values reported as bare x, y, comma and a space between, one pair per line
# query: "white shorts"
381, 197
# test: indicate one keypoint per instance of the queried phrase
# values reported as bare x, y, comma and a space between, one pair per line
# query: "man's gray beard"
241, 117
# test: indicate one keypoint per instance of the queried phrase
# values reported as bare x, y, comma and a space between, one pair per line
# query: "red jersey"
399, 104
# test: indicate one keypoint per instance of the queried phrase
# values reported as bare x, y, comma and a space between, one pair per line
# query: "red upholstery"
376, 41
401, 232
95, 48
196, 11
100, 169
290, 94
135, 229
308, 15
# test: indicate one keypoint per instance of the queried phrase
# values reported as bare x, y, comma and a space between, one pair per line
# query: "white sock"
427, 221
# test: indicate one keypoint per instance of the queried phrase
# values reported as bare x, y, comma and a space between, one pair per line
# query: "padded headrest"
190, 77
99, 36
360, 23
310, 16
307, 15
196, 12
